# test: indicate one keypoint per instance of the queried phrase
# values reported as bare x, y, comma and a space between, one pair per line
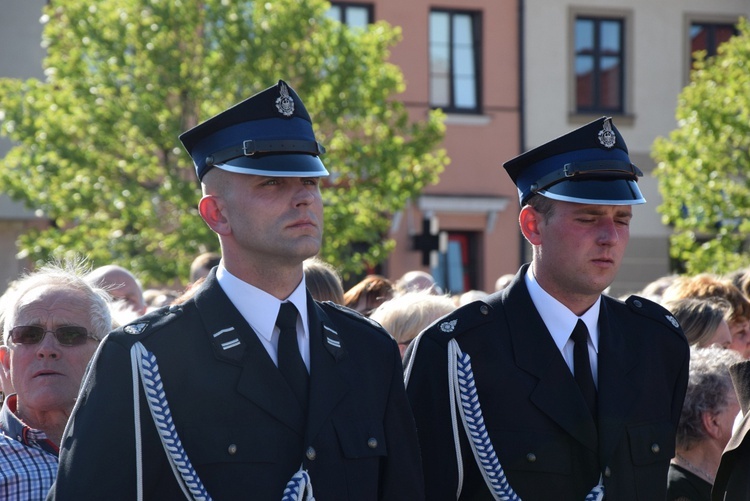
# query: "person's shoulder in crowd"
461, 321
149, 324
347, 317
647, 310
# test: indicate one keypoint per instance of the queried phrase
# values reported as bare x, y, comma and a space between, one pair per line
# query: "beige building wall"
657, 64
20, 57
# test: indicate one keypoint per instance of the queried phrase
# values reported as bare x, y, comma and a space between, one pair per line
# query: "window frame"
477, 38
625, 17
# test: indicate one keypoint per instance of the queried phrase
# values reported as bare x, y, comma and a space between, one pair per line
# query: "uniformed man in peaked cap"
549, 389
250, 389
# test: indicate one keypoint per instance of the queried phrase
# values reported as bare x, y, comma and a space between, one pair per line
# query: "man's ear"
211, 209
711, 424
530, 221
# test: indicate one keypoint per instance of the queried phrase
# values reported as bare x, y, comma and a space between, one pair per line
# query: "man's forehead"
44, 301
598, 208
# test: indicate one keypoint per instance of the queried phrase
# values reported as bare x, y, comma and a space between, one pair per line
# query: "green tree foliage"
97, 146
704, 166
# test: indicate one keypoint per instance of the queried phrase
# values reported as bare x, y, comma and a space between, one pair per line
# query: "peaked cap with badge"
588, 165
267, 134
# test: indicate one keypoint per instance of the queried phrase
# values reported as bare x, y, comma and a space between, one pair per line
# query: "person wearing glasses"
53, 321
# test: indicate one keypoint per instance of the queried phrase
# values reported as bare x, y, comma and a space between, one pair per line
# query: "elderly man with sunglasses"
53, 321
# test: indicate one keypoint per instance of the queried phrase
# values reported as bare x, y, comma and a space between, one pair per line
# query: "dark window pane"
599, 64
724, 33
708, 37
610, 83
584, 82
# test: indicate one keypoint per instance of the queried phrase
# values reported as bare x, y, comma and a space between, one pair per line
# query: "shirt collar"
258, 307
560, 321
18, 430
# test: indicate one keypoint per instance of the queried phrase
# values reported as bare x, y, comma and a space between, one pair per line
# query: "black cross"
426, 242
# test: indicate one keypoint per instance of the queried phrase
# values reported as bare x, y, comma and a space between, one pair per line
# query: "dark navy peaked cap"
589, 165
268, 134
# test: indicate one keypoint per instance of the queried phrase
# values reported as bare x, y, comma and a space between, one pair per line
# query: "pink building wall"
476, 144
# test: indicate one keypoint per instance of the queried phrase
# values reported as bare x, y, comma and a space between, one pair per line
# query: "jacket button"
232, 449
372, 443
637, 303
311, 454
655, 448
530, 457
483, 309
607, 472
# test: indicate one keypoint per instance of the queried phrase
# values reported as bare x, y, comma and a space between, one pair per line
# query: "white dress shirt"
560, 322
260, 309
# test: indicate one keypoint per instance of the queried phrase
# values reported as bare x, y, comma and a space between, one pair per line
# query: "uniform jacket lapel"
556, 393
234, 342
328, 366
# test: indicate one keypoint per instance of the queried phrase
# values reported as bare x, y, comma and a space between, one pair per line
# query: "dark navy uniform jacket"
733, 476
543, 433
238, 420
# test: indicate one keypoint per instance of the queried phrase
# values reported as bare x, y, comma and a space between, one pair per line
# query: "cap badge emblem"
285, 103
607, 136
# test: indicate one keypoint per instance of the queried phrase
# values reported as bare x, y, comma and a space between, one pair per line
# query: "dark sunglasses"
70, 335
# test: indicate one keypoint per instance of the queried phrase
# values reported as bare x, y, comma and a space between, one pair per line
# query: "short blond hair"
407, 315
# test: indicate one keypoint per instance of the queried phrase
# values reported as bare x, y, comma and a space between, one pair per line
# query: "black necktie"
290, 360
582, 365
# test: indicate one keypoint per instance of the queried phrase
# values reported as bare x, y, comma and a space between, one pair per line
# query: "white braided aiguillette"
299, 488
462, 377
162, 416
471, 414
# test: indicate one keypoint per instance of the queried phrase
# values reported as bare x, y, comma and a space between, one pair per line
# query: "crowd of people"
267, 379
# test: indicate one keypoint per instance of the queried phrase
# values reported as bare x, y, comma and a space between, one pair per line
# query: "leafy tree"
704, 166
97, 146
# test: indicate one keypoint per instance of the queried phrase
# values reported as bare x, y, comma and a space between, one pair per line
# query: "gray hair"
68, 275
709, 385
